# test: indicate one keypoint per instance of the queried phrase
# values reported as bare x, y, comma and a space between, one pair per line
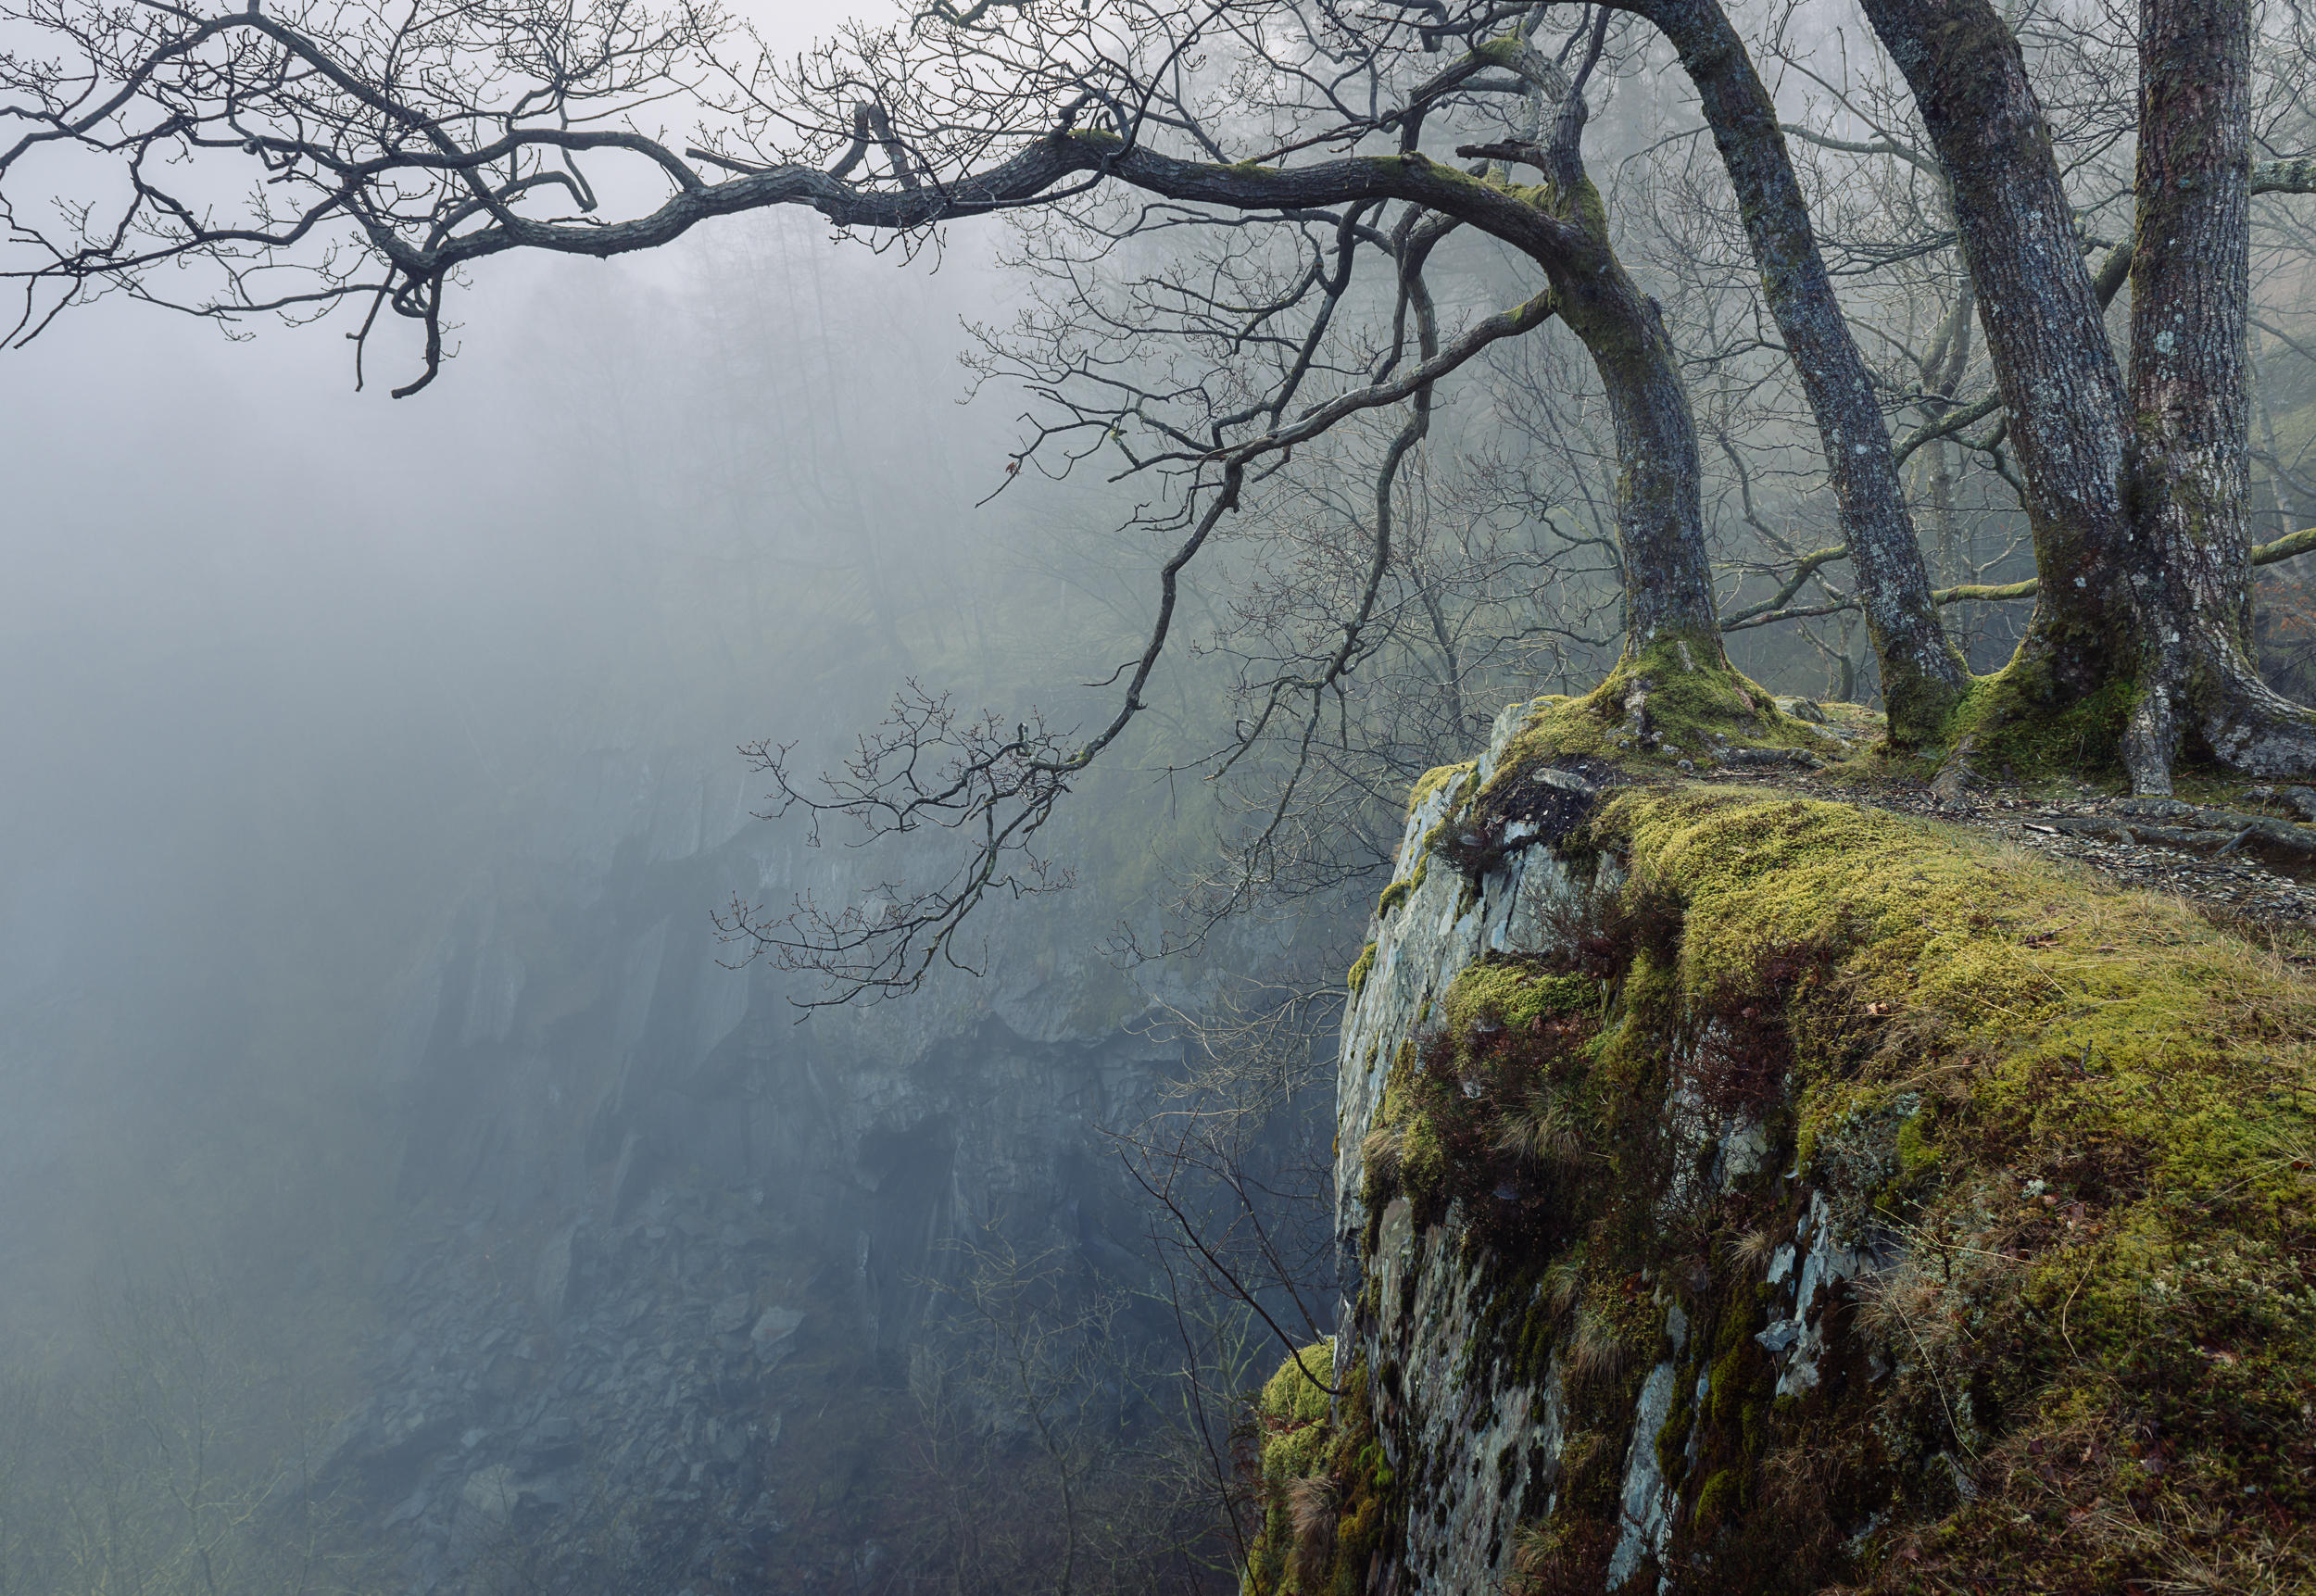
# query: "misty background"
373, 774
290, 660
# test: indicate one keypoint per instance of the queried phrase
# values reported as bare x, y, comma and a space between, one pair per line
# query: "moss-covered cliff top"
2063, 1133
1659, 708
2102, 1188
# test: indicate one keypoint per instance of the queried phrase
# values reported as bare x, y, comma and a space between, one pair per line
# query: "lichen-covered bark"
1923, 674
2045, 330
2190, 286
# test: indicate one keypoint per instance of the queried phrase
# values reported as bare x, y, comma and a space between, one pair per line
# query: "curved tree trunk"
1668, 575
1660, 520
1923, 676
1563, 227
2135, 497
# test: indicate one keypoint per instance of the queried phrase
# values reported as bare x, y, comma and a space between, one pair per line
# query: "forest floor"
2233, 856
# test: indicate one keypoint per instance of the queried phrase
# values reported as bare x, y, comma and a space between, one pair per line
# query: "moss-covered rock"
1325, 1490
1656, 709
1439, 779
1964, 1206
1511, 995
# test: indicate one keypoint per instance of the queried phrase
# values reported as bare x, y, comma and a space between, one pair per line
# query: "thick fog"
290, 657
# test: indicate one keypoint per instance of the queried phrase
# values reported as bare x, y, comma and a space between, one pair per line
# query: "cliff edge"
1748, 1193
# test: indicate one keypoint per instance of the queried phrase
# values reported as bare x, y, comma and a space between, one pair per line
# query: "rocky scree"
667, 1259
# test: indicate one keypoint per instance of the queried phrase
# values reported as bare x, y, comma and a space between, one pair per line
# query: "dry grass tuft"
1749, 1253
1313, 1507
1533, 1551
1563, 1282
1558, 1561
1597, 1353
1542, 1127
1379, 1152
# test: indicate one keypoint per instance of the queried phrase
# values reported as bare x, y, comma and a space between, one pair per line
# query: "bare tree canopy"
236, 162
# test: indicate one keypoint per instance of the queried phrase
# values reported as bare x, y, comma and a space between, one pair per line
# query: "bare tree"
239, 161
397, 151
168, 1455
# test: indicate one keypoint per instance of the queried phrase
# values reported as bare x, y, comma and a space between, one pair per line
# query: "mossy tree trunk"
2136, 493
1923, 676
1667, 574
1660, 523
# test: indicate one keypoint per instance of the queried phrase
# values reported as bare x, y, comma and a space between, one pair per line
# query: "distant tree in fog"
165, 1453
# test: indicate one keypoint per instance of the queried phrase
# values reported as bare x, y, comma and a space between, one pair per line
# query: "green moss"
1725, 1392
1440, 776
1361, 969
1307, 1434
1584, 207
1672, 1436
1691, 698
1396, 1095
1399, 891
2083, 1114
1513, 996
1918, 1155
2074, 992
2013, 734
2088, 1112
1588, 1471
1722, 1494
1422, 1158
1294, 1396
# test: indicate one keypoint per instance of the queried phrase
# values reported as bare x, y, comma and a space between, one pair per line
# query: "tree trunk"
2135, 497
2190, 306
1668, 575
1563, 227
1923, 676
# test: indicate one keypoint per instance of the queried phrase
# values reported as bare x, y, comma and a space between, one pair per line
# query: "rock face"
1513, 1411
1742, 1193
1477, 1452
668, 1249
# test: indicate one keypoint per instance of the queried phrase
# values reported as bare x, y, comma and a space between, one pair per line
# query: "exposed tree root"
2209, 703
2252, 728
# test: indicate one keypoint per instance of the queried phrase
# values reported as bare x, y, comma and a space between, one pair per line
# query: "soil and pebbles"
2251, 860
